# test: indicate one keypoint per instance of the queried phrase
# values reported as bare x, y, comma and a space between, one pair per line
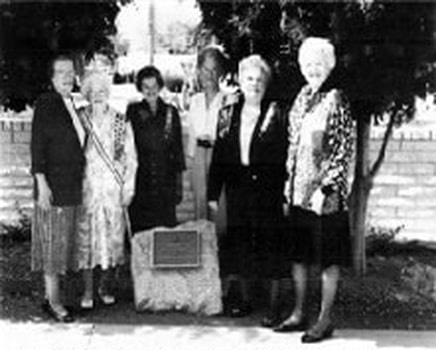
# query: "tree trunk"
360, 194
364, 175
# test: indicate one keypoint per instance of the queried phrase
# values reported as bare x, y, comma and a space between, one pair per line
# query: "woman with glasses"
108, 189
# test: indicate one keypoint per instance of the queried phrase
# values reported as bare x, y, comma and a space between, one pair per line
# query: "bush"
18, 231
381, 240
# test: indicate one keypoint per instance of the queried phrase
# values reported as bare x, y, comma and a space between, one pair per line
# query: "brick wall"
15, 180
16, 183
404, 191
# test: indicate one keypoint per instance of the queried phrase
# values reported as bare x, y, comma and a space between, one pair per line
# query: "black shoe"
272, 318
286, 327
239, 310
315, 335
63, 318
228, 305
270, 321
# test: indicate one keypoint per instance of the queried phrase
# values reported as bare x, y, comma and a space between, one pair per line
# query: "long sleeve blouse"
320, 149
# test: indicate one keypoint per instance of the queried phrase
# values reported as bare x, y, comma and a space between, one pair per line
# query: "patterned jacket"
320, 149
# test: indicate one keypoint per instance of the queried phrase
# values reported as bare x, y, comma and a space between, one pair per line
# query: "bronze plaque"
176, 248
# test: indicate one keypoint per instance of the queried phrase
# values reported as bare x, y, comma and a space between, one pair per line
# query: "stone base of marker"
195, 289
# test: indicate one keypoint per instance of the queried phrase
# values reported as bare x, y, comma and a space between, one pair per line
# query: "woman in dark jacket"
57, 165
161, 162
249, 162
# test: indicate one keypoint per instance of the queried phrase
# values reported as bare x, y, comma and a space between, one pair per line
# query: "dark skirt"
251, 247
322, 240
53, 239
145, 215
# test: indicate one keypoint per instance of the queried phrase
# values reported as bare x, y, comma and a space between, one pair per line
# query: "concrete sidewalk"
80, 336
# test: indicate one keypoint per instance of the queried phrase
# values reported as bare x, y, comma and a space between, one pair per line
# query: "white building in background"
131, 23
425, 110
133, 27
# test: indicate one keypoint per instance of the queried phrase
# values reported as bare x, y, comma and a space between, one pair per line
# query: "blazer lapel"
256, 133
236, 130
66, 118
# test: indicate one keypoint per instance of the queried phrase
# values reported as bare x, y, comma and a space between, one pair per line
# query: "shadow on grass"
377, 301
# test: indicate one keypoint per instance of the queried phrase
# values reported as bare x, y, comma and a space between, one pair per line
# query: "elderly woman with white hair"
319, 155
248, 161
108, 188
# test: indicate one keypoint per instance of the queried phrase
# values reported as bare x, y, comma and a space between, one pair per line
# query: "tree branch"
381, 156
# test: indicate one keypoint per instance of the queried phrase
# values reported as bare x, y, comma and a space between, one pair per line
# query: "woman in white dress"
108, 188
203, 115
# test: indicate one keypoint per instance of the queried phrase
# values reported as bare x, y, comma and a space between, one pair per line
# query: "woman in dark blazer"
57, 165
249, 162
56, 150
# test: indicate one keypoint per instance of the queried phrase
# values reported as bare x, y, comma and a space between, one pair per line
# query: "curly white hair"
94, 81
255, 61
321, 47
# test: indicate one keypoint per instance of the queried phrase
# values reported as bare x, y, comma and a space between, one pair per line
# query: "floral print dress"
102, 223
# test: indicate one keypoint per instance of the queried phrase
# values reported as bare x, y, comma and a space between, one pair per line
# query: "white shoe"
87, 304
106, 298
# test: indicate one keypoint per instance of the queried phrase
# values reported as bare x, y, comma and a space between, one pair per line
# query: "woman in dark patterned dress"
320, 149
161, 162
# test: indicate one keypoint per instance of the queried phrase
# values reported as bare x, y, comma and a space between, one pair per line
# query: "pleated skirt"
53, 239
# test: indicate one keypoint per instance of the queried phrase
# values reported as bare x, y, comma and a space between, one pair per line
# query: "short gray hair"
92, 80
255, 61
318, 46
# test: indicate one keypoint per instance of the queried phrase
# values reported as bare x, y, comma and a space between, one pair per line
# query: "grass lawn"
380, 300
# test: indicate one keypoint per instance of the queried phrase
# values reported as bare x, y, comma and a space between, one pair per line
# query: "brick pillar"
15, 180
